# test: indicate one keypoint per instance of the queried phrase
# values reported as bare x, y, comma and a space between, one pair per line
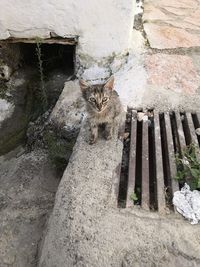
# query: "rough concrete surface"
170, 84
87, 229
131, 90
28, 185
69, 109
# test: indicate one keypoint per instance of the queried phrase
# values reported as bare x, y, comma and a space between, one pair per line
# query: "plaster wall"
103, 28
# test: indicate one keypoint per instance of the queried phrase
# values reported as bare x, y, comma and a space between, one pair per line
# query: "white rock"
96, 74
141, 116
131, 81
197, 131
6, 110
69, 110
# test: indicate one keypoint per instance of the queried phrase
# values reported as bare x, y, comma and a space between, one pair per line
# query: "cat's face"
97, 96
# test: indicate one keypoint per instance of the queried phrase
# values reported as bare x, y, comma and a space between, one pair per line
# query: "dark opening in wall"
53, 56
49, 65
33, 77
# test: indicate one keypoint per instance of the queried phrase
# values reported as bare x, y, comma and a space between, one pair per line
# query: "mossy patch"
12, 141
59, 149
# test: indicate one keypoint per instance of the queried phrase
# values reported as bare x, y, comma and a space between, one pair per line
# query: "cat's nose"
99, 107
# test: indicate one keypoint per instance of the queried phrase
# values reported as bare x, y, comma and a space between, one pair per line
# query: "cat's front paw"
108, 136
92, 140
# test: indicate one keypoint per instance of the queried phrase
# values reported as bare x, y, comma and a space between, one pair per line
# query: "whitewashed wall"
104, 27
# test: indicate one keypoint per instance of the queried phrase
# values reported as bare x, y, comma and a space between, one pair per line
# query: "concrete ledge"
83, 198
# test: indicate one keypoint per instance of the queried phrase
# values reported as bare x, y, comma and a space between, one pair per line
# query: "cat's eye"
92, 99
105, 99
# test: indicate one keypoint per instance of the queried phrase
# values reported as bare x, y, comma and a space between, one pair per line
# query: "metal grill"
148, 163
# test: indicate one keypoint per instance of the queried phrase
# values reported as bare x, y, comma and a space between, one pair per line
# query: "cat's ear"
109, 84
83, 85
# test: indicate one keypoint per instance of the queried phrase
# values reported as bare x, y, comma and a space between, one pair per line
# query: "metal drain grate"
148, 164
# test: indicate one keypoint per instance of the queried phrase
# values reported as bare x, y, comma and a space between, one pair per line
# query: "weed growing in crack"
190, 171
43, 95
133, 197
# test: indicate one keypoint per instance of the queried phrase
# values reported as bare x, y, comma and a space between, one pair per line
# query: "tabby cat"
103, 107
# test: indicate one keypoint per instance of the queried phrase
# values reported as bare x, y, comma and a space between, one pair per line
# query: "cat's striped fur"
103, 107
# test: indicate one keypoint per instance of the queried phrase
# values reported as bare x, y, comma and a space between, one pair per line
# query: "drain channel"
148, 164
124, 165
153, 202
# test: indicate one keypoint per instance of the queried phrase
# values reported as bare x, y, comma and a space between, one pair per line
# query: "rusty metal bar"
192, 128
181, 135
145, 167
171, 153
159, 167
198, 117
181, 138
198, 126
193, 135
132, 160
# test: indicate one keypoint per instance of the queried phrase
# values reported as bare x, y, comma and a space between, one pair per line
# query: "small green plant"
133, 197
189, 166
43, 95
59, 149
